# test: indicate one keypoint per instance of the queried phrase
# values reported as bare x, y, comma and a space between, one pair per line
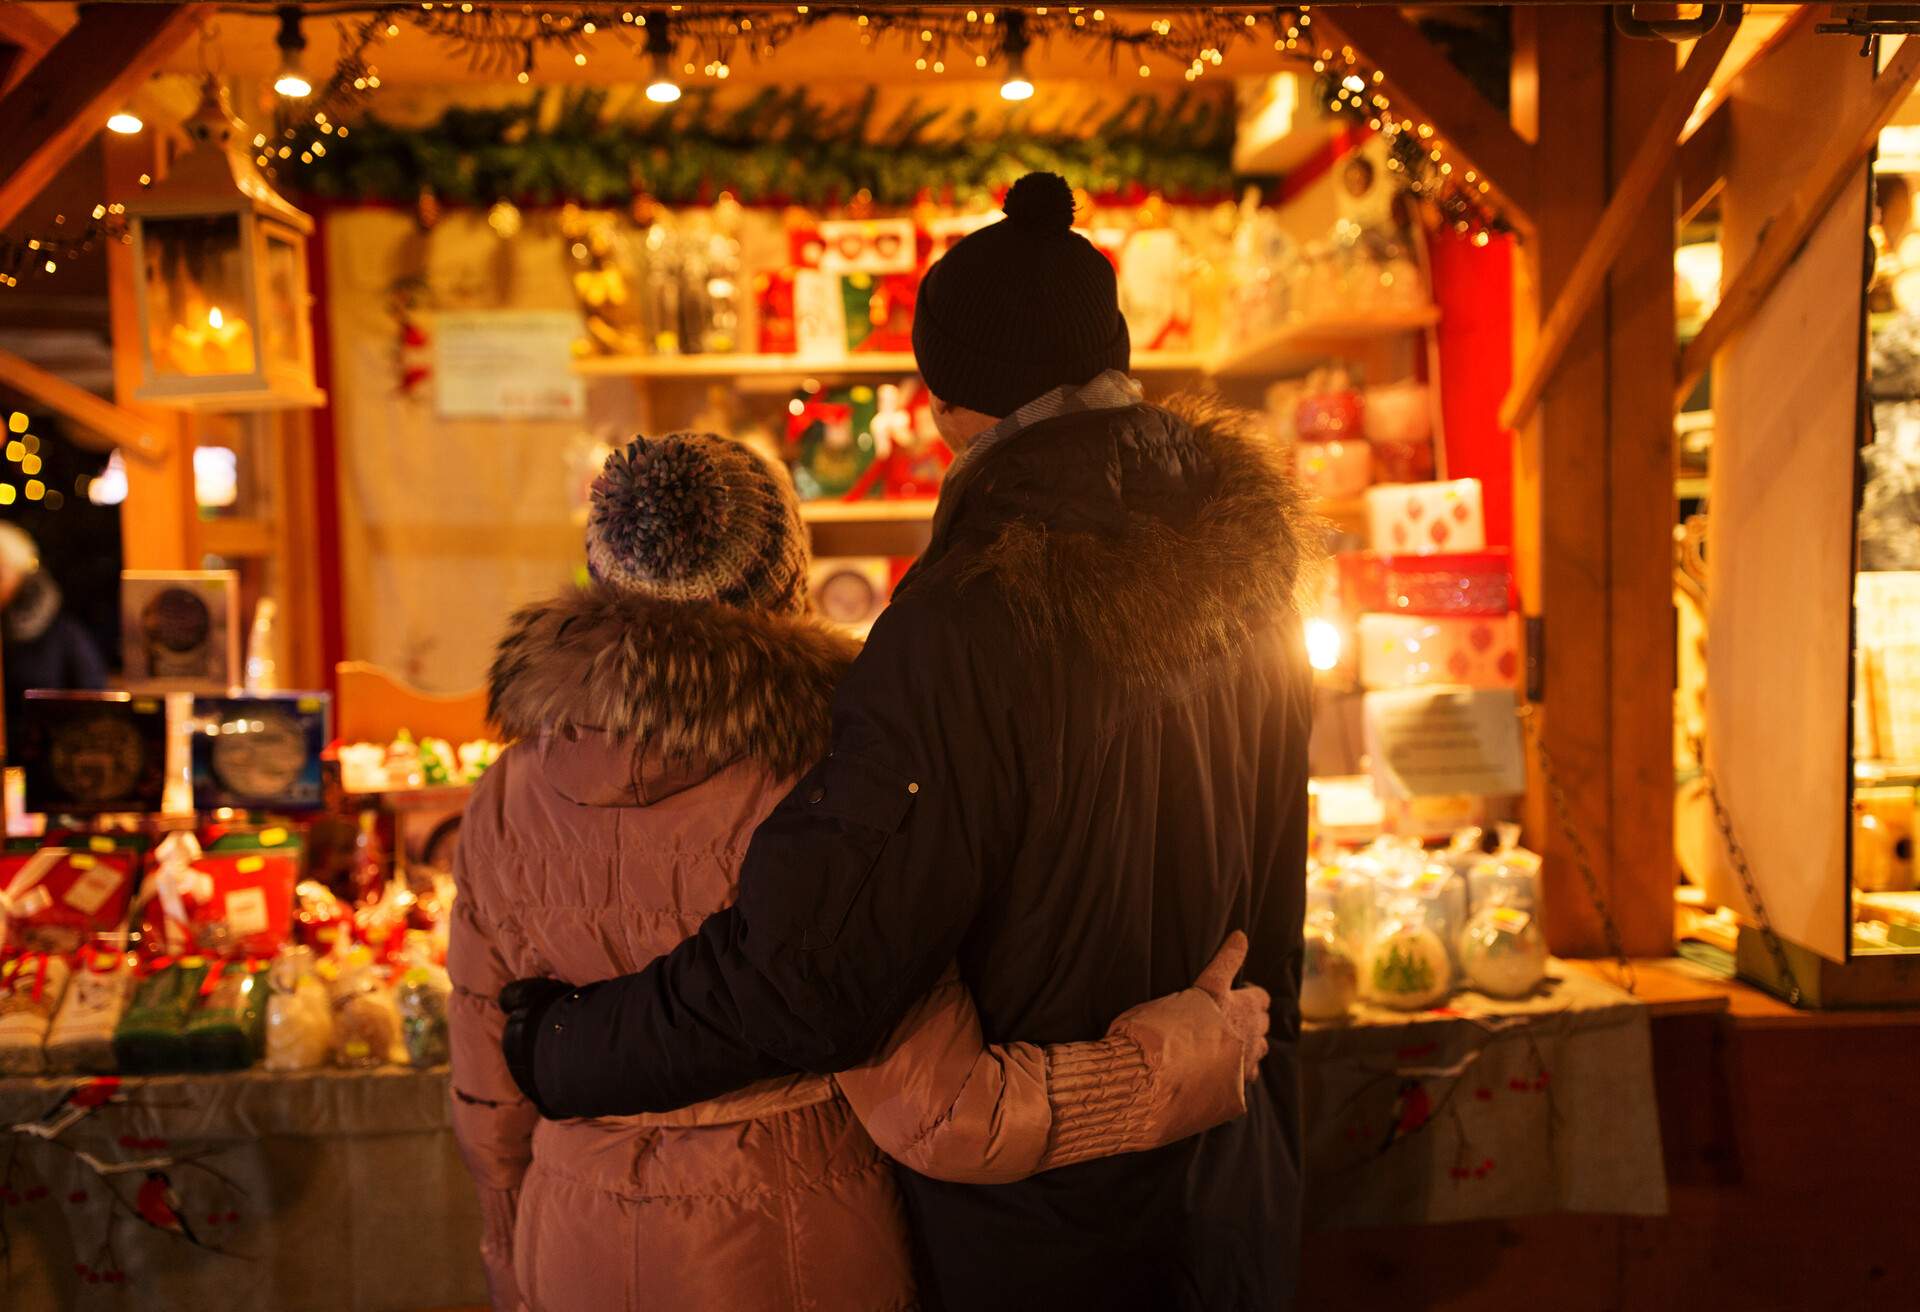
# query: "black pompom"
659, 507
1040, 200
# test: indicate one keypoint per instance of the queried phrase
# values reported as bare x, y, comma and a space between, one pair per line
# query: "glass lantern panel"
282, 303
196, 284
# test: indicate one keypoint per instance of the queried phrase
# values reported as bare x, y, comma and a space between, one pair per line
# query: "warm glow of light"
1323, 644
1016, 87
110, 488
215, 319
126, 123
663, 91
292, 84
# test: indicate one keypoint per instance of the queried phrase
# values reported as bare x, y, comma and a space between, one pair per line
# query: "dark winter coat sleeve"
854, 894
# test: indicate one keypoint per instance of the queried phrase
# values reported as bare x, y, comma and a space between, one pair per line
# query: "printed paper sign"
1445, 741
506, 364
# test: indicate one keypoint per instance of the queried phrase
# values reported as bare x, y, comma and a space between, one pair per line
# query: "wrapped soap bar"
1402, 651
1431, 583
152, 1037
31, 986
366, 1020
81, 1037
227, 1027
299, 1013
1406, 517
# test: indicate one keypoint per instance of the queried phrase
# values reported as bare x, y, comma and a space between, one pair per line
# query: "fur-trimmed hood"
1154, 538
33, 609
684, 681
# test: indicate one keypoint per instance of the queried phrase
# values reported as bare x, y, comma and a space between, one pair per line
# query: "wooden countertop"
1671, 986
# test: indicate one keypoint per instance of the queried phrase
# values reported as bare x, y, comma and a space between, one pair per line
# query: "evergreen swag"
777, 148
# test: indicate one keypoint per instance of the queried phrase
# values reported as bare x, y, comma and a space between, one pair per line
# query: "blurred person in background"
44, 647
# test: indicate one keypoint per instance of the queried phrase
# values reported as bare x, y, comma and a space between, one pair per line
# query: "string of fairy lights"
675, 45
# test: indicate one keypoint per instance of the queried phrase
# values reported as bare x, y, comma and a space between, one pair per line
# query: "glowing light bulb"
1323, 644
126, 123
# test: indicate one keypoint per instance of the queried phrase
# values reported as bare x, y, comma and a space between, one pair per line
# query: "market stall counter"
343, 1188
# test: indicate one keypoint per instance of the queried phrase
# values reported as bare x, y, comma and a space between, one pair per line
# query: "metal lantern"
222, 278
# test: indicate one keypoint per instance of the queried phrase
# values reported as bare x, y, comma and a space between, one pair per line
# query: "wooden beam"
65, 98
1422, 80
1789, 230
1652, 162
1703, 162
94, 417
1704, 147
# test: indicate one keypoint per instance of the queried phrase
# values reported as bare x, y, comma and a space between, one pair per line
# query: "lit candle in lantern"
220, 346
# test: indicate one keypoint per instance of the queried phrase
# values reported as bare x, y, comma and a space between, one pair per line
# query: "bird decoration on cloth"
158, 1204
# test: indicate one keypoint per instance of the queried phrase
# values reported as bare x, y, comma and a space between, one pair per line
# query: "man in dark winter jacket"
1072, 756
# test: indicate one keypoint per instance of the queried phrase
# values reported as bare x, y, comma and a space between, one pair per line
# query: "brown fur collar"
684, 679
1160, 598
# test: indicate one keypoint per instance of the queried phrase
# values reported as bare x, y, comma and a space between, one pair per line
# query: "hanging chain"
1737, 857
1581, 859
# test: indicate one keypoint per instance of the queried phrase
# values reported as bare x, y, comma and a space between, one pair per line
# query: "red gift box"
57, 899
237, 904
1430, 583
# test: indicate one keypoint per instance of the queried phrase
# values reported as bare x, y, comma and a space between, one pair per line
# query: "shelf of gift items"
878, 364
1288, 348
1348, 515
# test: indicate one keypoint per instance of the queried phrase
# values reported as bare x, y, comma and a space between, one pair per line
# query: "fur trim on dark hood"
33, 609
686, 680
1214, 543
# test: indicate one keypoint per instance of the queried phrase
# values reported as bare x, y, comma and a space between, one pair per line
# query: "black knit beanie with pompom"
1019, 307
695, 517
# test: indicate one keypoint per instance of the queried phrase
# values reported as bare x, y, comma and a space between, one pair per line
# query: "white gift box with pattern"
1405, 651
1411, 517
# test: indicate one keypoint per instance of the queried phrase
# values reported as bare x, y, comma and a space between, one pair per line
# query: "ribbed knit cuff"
1095, 1091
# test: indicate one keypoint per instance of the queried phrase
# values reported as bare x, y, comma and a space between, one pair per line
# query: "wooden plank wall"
1780, 538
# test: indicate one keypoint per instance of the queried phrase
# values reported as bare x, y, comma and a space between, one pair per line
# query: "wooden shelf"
880, 364
901, 528
1299, 344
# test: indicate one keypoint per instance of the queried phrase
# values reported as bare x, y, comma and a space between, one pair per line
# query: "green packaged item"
227, 1029
152, 1036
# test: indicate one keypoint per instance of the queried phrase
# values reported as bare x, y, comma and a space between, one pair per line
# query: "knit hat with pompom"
695, 517
1019, 307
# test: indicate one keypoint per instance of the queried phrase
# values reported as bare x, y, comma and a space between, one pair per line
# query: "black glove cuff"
526, 1003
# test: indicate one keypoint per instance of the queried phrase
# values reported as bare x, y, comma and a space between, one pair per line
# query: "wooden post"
1593, 485
159, 520
1640, 518
1561, 472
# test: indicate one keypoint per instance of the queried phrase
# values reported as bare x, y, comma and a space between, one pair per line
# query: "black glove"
527, 1002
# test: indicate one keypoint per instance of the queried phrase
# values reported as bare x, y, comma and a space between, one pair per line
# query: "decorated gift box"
1403, 651
58, 898
1410, 517
227, 903
1430, 583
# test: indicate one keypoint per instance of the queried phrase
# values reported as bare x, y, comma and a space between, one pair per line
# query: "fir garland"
778, 148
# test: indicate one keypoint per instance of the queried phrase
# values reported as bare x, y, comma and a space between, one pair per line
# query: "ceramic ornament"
1407, 968
1503, 952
